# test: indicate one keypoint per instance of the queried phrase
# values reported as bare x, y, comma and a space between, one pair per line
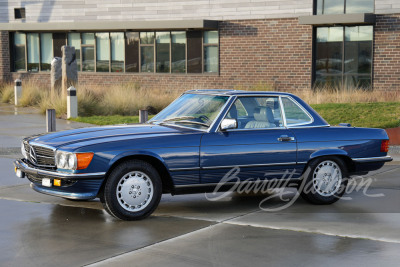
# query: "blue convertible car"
193, 143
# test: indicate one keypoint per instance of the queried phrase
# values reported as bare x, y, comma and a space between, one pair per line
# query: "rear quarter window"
295, 115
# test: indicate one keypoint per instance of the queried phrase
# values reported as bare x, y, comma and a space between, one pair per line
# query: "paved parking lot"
40, 230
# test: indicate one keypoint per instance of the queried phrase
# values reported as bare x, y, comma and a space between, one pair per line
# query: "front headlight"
73, 161
23, 151
66, 160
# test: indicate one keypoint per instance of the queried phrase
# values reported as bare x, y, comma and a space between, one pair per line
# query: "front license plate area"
46, 182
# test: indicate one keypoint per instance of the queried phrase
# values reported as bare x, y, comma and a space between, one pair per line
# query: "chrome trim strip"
184, 169
305, 127
232, 183
303, 109
373, 159
55, 174
283, 114
249, 165
33, 143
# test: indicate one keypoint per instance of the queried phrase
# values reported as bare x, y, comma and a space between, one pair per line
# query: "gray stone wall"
387, 6
139, 10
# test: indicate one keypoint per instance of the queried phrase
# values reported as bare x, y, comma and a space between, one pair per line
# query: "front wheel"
132, 190
325, 181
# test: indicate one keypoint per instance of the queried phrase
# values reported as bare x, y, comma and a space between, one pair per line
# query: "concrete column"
72, 103
143, 115
17, 91
50, 120
69, 68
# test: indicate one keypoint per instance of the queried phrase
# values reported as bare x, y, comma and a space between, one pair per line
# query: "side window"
256, 112
294, 114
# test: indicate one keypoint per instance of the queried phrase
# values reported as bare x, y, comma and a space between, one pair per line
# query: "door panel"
256, 152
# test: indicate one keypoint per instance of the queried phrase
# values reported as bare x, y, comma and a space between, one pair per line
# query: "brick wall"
387, 52
4, 56
275, 52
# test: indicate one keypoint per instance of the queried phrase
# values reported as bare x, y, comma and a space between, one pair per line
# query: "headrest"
264, 114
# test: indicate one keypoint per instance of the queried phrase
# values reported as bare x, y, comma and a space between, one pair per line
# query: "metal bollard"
143, 115
50, 120
72, 103
17, 91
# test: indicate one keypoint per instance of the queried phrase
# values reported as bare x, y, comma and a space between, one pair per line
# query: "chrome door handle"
285, 138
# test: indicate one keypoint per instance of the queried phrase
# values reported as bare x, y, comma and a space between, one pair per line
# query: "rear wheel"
132, 190
325, 180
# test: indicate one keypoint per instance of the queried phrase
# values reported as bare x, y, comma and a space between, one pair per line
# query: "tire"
324, 181
132, 191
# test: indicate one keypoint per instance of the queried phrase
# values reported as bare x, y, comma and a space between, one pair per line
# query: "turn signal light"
57, 182
385, 146
84, 160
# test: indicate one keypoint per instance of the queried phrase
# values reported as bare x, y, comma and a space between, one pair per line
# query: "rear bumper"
23, 166
364, 165
373, 159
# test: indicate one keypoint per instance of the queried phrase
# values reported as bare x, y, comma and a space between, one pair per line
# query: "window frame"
343, 75
315, 7
139, 51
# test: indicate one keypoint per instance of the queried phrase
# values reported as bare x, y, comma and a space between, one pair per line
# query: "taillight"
385, 146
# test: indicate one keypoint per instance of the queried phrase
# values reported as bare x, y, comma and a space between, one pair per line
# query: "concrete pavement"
189, 230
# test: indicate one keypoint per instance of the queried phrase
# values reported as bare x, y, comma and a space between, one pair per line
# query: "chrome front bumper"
25, 168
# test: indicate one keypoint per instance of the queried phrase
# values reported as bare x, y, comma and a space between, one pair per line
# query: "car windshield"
192, 110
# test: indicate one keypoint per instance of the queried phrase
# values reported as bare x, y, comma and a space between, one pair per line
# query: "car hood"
103, 134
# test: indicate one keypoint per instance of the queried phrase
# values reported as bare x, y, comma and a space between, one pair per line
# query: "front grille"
44, 155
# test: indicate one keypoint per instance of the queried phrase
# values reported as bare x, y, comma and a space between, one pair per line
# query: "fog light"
57, 182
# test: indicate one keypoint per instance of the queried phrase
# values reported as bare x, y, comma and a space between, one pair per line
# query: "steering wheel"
204, 118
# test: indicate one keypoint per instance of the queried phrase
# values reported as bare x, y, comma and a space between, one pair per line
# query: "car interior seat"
263, 118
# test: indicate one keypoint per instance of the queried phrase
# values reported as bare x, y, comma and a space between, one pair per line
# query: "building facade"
182, 44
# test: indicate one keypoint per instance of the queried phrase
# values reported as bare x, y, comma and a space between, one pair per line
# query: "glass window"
163, 41
344, 6
87, 51
256, 112
117, 51
147, 38
88, 38
33, 51
358, 56
147, 58
19, 51
147, 51
74, 39
359, 6
132, 52
178, 52
46, 51
353, 68
102, 52
192, 110
329, 47
211, 51
294, 114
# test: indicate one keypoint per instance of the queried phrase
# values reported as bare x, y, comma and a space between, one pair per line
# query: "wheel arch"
338, 153
156, 162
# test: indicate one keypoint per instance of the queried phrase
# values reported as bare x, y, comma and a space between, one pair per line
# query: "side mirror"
227, 124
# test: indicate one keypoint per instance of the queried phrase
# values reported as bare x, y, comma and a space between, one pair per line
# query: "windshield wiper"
195, 122
178, 118
184, 119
